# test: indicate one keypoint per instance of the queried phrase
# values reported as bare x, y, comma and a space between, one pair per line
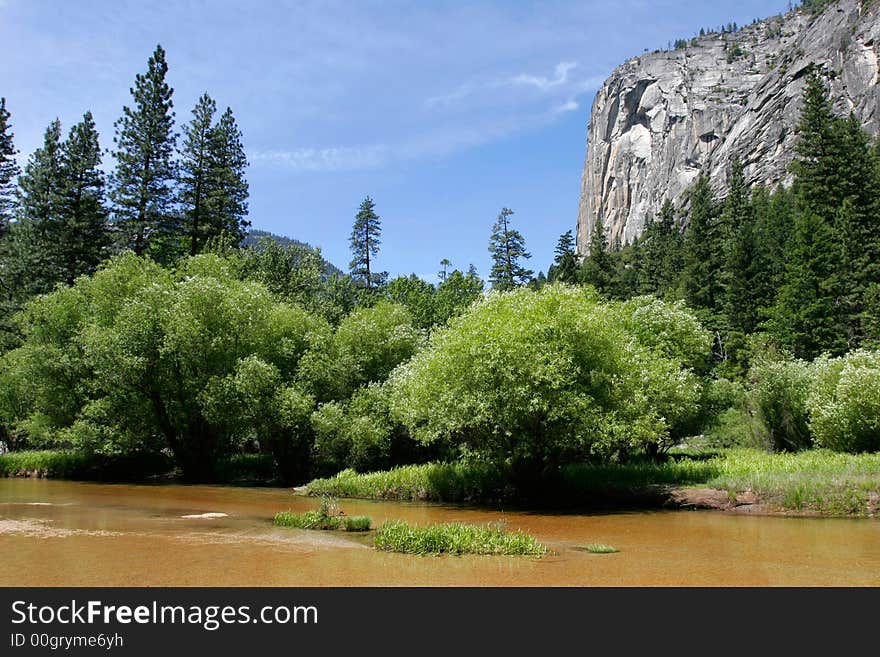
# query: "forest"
136, 320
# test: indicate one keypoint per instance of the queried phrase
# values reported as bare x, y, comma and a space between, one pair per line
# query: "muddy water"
64, 533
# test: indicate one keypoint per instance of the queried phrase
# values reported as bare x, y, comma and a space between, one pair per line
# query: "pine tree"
564, 268
703, 254
598, 268
8, 169
30, 265
227, 198
739, 267
194, 171
365, 241
445, 264
80, 238
142, 187
774, 224
507, 247
807, 315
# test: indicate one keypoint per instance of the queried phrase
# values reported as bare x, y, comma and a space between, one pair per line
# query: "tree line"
165, 197
798, 264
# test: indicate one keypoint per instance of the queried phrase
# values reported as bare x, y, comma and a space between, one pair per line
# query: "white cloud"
542, 83
332, 159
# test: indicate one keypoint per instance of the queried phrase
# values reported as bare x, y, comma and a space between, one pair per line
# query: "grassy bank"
817, 481
455, 538
61, 464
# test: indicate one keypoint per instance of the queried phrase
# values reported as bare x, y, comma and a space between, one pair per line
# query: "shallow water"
57, 533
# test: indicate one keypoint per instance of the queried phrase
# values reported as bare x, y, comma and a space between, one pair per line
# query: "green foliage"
455, 538
779, 393
416, 295
455, 294
565, 267
356, 523
508, 248
68, 464
8, 169
844, 402
440, 482
365, 243
227, 194
307, 520
138, 357
141, 187
598, 268
540, 378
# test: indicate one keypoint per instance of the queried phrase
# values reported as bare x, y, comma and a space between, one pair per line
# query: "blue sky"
444, 112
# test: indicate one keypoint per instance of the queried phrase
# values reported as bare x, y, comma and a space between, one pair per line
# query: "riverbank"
814, 482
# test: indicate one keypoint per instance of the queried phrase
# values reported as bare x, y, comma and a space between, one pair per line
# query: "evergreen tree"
142, 187
365, 243
657, 254
703, 254
445, 264
507, 247
564, 267
807, 315
30, 267
227, 198
739, 270
774, 224
195, 172
598, 268
79, 238
8, 169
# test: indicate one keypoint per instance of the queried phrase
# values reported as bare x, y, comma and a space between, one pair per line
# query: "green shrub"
307, 520
844, 402
543, 377
455, 538
86, 466
779, 395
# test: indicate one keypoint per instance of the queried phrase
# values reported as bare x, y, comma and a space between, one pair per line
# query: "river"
61, 533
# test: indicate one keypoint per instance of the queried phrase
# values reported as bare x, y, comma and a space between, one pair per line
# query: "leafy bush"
543, 378
779, 395
356, 524
844, 402
307, 520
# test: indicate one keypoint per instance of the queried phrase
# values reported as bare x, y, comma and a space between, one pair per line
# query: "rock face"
663, 118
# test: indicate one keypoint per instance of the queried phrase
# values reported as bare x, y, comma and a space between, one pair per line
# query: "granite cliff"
662, 118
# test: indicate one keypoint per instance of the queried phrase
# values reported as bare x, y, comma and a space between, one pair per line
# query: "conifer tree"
598, 268
364, 242
227, 198
79, 238
8, 169
564, 267
507, 247
739, 270
142, 186
703, 253
807, 316
774, 224
195, 171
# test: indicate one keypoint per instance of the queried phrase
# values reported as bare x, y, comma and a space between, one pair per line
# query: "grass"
65, 464
600, 548
328, 516
455, 538
812, 481
357, 524
442, 482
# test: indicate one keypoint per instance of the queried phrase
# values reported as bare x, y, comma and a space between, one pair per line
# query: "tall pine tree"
598, 268
564, 267
194, 172
703, 255
739, 266
80, 238
507, 247
364, 242
227, 198
142, 186
8, 169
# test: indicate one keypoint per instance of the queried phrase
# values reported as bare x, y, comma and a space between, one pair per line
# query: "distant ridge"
253, 237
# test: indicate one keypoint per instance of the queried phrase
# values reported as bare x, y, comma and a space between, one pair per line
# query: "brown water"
56, 533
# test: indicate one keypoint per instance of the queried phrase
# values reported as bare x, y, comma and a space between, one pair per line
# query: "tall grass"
307, 520
442, 482
63, 464
455, 538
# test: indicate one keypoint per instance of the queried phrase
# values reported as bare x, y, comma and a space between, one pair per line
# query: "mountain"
663, 118
253, 237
